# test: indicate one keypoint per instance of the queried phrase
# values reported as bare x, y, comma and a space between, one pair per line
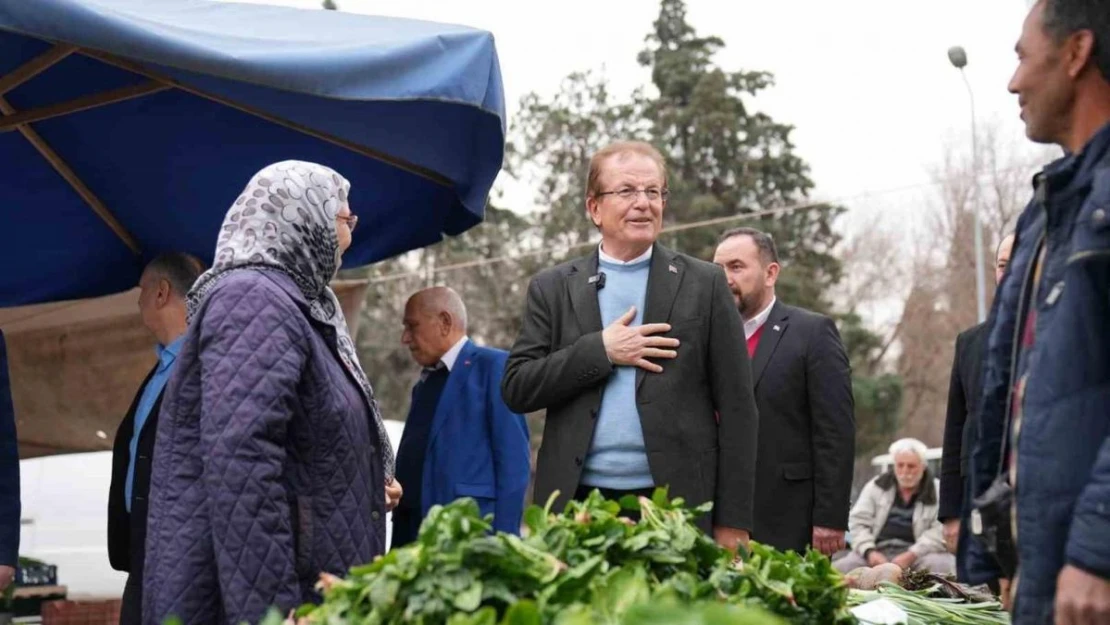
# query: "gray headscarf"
285, 220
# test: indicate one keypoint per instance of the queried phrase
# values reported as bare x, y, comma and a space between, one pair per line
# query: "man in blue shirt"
163, 286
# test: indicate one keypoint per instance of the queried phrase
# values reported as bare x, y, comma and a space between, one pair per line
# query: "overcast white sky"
867, 83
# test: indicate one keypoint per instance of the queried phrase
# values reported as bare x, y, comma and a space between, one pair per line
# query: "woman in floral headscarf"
271, 457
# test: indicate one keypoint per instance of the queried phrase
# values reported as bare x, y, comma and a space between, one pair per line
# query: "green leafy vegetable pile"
588, 565
931, 605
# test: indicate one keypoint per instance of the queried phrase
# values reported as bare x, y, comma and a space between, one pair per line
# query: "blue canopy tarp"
129, 127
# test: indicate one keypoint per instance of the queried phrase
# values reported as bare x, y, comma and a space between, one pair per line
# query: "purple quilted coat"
267, 468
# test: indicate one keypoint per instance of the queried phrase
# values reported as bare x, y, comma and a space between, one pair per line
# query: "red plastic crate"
90, 612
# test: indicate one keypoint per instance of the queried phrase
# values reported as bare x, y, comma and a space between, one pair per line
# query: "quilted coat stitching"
183, 572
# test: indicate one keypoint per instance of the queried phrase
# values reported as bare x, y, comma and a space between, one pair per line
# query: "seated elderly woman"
895, 517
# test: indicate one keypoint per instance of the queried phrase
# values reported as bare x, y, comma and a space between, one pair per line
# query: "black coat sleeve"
833, 426
10, 508
730, 377
536, 375
951, 482
119, 519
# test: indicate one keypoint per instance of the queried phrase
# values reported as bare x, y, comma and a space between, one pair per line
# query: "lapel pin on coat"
672, 268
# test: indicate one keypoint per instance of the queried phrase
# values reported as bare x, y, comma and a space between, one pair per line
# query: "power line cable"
770, 212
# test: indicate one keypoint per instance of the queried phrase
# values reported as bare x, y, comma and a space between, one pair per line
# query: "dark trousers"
614, 495
131, 607
406, 527
965, 537
965, 533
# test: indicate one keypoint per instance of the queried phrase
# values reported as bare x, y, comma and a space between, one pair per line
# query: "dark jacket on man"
559, 364
127, 530
960, 434
1063, 443
962, 419
807, 431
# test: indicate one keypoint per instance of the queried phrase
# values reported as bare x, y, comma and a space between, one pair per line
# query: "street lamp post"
958, 57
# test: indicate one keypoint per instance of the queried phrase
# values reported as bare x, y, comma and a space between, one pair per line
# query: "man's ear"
592, 210
446, 322
164, 292
772, 274
1079, 50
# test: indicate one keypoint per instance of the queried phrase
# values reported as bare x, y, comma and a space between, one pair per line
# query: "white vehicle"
65, 518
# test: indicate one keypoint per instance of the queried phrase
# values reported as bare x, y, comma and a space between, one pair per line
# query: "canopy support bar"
83, 103
34, 67
401, 164
71, 177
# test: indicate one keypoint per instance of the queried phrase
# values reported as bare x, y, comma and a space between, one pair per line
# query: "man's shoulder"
696, 265
559, 272
485, 354
972, 341
805, 316
971, 334
805, 313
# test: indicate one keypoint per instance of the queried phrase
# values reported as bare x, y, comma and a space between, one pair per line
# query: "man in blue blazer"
460, 439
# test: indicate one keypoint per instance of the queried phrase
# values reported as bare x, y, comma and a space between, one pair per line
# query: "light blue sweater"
617, 458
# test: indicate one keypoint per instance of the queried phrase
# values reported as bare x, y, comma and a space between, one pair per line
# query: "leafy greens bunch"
588, 565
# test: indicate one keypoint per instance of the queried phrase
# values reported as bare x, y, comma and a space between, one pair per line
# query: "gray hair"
911, 445
1062, 18
181, 270
768, 253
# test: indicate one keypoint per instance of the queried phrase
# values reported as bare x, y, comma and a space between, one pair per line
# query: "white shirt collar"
752, 325
452, 354
613, 261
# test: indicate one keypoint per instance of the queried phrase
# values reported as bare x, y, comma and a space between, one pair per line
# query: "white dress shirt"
452, 354
752, 325
448, 359
613, 261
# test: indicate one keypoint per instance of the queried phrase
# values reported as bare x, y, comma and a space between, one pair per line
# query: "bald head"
435, 319
441, 299
1002, 257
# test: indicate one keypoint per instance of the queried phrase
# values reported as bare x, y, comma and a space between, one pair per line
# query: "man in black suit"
162, 289
961, 422
598, 328
803, 388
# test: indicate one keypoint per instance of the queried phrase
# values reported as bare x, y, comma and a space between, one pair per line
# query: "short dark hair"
181, 270
768, 253
1062, 18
